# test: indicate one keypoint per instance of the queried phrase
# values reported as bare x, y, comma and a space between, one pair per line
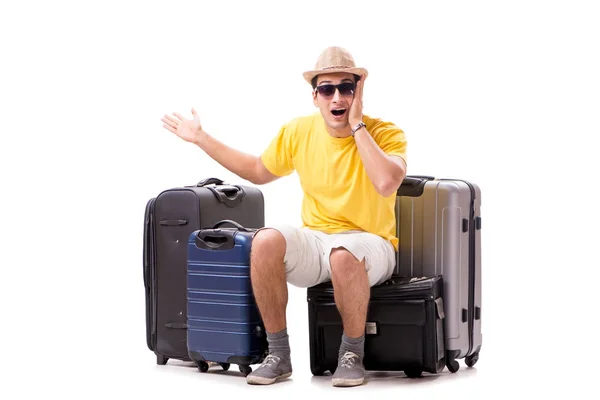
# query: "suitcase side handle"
176, 325
413, 185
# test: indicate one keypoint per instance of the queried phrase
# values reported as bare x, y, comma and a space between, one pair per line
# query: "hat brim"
309, 75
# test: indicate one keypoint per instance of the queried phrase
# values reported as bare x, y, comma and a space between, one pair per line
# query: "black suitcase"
404, 330
170, 218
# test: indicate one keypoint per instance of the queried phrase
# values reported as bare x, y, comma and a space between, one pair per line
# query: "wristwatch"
357, 127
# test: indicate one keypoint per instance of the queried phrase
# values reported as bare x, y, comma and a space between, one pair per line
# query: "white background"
505, 94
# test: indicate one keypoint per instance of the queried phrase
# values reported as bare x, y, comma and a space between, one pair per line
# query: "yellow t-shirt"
338, 194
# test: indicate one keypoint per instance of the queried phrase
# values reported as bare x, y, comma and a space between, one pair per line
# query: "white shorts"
307, 254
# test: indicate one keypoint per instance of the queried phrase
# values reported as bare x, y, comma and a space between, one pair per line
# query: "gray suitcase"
439, 228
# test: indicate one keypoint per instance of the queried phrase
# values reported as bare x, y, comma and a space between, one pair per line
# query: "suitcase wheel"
225, 366
202, 366
320, 371
161, 360
245, 369
413, 372
452, 365
472, 359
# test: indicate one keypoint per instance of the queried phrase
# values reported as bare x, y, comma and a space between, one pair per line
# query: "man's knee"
341, 261
267, 244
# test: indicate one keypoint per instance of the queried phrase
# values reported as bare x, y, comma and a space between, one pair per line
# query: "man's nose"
336, 95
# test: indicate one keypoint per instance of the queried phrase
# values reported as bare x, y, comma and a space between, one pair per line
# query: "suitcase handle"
228, 221
209, 181
230, 195
215, 240
426, 177
413, 185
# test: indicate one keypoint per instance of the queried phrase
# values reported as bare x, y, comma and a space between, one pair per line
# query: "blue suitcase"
224, 324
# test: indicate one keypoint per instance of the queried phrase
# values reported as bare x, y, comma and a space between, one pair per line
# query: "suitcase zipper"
471, 268
149, 269
153, 267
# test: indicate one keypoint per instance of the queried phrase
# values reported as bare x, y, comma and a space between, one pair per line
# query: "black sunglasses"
345, 88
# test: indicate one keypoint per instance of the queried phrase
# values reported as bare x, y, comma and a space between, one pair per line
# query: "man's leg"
267, 273
351, 291
357, 261
278, 256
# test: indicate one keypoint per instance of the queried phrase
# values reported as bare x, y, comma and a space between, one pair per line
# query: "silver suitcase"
439, 228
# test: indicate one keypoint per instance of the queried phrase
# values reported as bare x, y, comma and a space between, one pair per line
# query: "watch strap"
357, 127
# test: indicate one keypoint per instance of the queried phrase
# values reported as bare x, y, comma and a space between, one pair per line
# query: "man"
349, 166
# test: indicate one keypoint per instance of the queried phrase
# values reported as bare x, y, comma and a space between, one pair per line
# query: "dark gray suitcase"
170, 218
439, 228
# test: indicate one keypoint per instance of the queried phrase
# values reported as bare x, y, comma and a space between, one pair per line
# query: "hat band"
336, 67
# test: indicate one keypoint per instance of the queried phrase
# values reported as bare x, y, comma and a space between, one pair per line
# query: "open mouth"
339, 112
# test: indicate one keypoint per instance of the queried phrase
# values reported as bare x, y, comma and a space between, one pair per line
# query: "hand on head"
355, 115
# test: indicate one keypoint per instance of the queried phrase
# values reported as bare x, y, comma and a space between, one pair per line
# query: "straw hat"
334, 59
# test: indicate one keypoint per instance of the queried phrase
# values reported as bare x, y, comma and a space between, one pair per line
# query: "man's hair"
314, 80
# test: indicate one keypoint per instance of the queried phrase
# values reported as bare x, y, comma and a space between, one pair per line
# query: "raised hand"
355, 115
189, 130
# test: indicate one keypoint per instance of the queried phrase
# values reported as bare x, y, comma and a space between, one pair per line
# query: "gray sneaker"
350, 370
272, 368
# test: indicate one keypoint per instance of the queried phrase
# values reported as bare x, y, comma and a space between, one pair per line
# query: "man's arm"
386, 172
246, 166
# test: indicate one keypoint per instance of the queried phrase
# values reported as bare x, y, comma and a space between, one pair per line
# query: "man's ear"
314, 95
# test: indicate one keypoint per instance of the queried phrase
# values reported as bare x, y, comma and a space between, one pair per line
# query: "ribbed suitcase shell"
439, 228
404, 330
170, 218
224, 324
